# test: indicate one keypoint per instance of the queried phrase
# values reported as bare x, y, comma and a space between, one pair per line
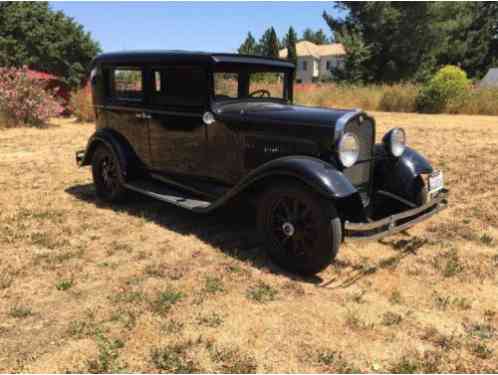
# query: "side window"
226, 85
179, 86
127, 83
305, 65
328, 64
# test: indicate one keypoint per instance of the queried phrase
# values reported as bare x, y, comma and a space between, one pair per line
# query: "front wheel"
301, 229
105, 171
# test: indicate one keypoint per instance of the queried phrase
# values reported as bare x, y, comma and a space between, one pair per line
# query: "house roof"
306, 48
490, 79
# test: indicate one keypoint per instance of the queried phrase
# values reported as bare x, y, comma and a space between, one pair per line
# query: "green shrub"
447, 89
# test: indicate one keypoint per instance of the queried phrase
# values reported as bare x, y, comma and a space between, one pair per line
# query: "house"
490, 79
315, 62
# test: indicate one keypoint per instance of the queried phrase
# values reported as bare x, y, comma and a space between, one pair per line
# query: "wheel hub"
288, 229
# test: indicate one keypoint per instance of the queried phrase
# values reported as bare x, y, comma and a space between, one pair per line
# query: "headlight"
395, 142
348, 150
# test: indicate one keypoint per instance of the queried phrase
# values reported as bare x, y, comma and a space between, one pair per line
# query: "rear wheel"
301, 229
106, 175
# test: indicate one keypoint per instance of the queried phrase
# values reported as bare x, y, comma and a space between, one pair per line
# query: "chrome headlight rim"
348, 157
395, 142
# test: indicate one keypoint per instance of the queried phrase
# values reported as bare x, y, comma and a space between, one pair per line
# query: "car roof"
188, 57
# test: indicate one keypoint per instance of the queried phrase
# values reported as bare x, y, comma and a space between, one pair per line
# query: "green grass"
64, 285
262, 292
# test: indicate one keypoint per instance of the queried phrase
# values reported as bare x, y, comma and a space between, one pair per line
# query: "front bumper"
397, 222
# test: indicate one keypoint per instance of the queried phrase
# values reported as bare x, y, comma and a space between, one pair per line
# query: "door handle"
143, 116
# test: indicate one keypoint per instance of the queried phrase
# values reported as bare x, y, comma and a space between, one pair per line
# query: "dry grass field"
146, 287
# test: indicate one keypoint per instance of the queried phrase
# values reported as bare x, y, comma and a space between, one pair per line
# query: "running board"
164, 193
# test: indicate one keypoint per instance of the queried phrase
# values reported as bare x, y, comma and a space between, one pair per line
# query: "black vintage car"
199, 130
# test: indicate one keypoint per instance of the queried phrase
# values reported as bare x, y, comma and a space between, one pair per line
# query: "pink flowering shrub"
25, 101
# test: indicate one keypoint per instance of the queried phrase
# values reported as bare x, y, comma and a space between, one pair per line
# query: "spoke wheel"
301, 230
106, 170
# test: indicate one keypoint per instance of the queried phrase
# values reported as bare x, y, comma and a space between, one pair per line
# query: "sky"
200, 26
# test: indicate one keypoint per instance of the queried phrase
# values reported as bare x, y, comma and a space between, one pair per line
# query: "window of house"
127, 83
328, 65
305, 65
179, 86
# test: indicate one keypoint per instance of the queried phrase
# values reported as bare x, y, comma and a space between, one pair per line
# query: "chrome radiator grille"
360, 174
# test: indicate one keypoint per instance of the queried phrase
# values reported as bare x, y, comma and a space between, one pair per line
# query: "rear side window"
127, 83
179, 86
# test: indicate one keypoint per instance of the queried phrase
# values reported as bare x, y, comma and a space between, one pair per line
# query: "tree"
317, 37
249, 47
269, 44
290, 44
410, 40
353, 68
33, 35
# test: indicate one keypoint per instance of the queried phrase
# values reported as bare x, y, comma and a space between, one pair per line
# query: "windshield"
249, 85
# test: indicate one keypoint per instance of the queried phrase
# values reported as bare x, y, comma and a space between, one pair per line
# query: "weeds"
335, 362
20, 312
210, 320
213, 285
174, 359
107, 360
261, 292
481, 350
390, 319
395, 297
232, 361
165, 301
64, 285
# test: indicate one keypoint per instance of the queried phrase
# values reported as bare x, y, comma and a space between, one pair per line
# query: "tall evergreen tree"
290, 44
249, 47
317, 37
268, 44
34, 35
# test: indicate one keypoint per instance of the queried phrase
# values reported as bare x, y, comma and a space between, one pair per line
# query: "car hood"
276, 113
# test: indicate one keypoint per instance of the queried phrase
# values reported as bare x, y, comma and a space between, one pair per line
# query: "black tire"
106, 173
312, 240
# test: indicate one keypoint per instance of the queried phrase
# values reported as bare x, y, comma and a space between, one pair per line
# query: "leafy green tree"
411, 40
33, 35
249, 47
354, 68
402, 37
317, 37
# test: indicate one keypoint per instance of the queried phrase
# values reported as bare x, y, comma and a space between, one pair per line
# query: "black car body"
197, 130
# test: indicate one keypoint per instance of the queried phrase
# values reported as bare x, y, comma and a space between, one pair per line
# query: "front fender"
319, 175
399, 175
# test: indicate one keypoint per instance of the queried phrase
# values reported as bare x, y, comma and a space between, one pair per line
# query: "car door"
125, 108
177, 132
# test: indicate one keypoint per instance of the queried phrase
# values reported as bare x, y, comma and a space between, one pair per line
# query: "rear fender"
124, 153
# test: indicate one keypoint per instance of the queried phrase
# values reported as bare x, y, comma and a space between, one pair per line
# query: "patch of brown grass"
146, 287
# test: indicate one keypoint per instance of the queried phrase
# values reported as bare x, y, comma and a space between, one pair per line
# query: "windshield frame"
244, 71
